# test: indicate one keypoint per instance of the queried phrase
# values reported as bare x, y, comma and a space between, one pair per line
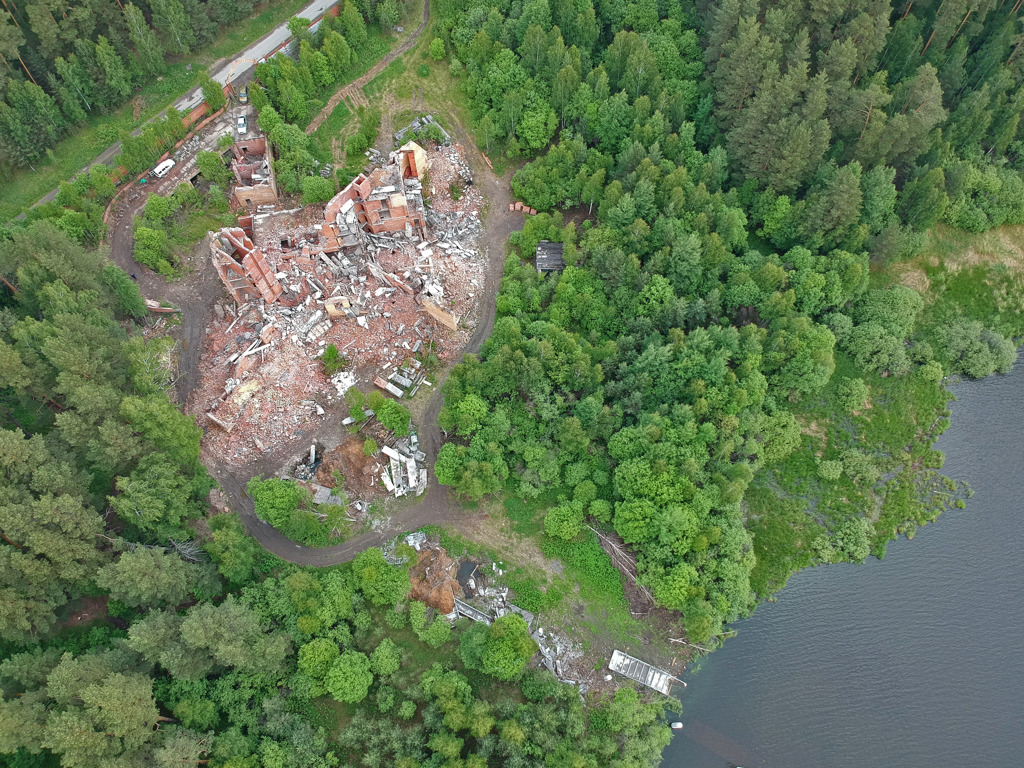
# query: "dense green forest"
715, 374
215, 652
727, 373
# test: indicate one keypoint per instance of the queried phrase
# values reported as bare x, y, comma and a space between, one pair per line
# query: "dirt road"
437, 506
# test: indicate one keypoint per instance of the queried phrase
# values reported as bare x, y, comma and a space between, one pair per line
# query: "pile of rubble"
438, 580
375, 272
421, 124
451, 171
433, 579
559, 654
404, 380
406, 471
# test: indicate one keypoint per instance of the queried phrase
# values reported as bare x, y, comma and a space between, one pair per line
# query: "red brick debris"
376, 297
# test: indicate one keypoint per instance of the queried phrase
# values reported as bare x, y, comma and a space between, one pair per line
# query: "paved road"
258, 50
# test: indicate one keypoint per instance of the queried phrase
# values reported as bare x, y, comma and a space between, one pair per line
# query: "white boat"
677, 726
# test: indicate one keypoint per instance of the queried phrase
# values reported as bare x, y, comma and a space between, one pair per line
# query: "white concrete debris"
343, 382
405, 472
416, 540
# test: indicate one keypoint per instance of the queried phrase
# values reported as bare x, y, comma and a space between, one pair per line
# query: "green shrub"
830, 470
423, 70
152, 250
438, 633
316, 189
397, 618
436, 49
385, 659
332, 361
417, 615
385, 698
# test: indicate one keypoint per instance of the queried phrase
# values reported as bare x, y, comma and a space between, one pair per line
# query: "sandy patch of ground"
915, 279
1004, 245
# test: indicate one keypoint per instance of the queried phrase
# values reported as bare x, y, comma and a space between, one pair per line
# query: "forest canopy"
737, 167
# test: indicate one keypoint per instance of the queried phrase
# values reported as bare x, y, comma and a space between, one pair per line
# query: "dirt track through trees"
352, 93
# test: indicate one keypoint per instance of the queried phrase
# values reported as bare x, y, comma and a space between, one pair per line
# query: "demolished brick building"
305, 278
254, 177
241, 266
387, 201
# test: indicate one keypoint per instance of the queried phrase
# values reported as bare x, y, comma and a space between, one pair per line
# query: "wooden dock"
641, 672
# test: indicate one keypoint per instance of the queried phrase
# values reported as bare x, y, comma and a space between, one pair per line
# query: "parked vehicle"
243, 125
161, 170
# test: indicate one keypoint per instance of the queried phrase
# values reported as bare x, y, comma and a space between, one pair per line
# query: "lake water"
915, 661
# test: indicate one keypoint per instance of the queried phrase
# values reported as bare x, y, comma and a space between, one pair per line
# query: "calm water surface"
915, 661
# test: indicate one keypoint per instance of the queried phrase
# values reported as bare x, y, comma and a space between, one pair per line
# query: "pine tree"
151, 54
170, 18
749, 60
114, 72
338, 53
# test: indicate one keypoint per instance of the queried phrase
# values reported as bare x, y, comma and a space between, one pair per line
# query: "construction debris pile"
433, 580
404, 380
375, 272
406, 471
558, 653
458, 588
453, 174
422, 124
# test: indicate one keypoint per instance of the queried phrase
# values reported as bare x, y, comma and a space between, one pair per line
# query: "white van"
161, 170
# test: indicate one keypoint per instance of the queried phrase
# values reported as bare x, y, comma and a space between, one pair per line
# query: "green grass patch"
329, 129
379, 83
782, 533
457, 546
527, 516
589, 566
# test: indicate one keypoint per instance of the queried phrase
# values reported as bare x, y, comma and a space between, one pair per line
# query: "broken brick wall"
263, 194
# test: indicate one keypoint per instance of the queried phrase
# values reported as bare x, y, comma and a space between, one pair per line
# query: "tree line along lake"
914, 660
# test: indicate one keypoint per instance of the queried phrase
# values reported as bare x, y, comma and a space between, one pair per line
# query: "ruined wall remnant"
387, 200
242, 267
413, 161
254, 177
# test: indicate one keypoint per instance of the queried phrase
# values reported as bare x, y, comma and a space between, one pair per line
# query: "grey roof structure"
467, 610
641, 671
549, 257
